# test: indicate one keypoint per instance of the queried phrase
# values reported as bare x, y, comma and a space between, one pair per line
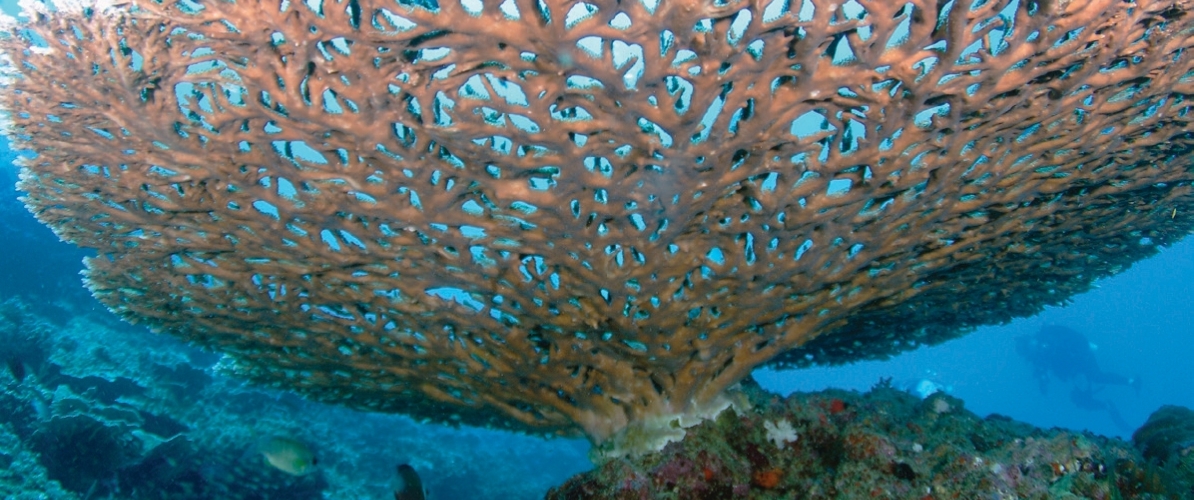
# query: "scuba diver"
1065, 354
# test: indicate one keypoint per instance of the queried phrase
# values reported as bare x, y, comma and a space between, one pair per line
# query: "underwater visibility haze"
650, 249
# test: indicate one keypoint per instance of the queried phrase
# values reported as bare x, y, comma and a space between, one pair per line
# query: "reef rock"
881, 444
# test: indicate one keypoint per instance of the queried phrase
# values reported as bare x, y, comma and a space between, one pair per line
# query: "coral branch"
588, 216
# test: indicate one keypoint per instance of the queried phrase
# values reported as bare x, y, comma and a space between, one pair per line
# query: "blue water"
1140, 324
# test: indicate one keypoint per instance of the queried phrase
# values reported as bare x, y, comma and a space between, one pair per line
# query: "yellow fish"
288, 455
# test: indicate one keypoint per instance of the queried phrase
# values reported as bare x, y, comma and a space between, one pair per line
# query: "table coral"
594, 217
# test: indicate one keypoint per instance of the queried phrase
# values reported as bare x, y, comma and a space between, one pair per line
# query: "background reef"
91, 408
886, 443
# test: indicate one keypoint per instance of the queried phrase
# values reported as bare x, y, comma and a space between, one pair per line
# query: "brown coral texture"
568, 216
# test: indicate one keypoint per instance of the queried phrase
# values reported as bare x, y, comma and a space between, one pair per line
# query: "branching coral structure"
594, 217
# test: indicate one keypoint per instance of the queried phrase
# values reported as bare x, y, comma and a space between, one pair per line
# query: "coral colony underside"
593, 218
